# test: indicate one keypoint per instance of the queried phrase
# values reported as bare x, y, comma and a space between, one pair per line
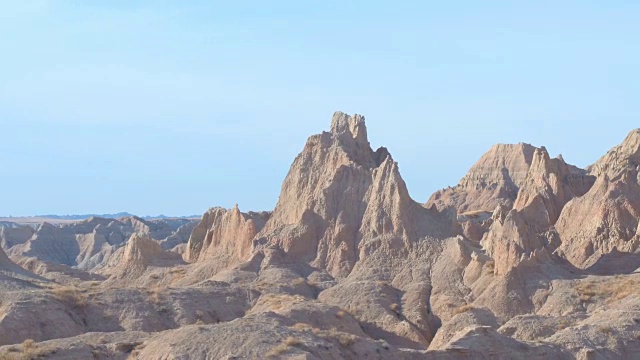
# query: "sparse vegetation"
28, 345
71, 296
299, 282
276, 302
612, 290
605, 330
155, 294
345, 339
490, 267
286, 344
463, 309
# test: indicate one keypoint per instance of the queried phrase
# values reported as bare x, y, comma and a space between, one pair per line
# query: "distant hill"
111, 216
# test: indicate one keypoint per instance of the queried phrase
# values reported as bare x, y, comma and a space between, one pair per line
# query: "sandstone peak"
620, 159
338, 194
141, 250
493, 180
548, 186
606, 217
224, 236
342, 123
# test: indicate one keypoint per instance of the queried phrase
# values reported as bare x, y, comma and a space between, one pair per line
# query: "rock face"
224, 235
348, 266
89, 244
12, 234
606, 217
141, 252
548, 186
339, 193
13, 277
494, 180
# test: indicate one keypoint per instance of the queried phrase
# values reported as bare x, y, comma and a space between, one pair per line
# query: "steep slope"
548, 186
493, 180
12, 234
605, 218
340, 193
224, 235
13, 277
131, 262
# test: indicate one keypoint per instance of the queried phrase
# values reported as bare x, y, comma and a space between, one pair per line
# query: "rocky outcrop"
14, 277
132, 262
548, 186
606, 218
494, 180
225, 236
348, 266
12, 234
89, 244
339, 193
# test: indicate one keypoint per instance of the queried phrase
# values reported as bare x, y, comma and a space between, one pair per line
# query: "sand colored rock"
549, 185
494, 180
339, 193
12, 234
606, 218
224, 235
129, 264
348, 266
89, 244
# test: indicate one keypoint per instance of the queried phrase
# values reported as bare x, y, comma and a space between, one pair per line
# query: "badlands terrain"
528, 257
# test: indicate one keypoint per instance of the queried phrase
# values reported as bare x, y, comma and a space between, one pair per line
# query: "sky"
167, 107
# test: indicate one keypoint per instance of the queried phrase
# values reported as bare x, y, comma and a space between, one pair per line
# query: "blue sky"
172, 107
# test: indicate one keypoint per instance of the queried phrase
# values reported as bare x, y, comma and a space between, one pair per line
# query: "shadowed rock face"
606, 217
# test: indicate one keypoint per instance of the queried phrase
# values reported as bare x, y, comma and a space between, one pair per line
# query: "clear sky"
176, 106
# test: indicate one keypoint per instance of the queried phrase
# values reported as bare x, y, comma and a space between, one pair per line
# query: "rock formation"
224, 235
348, 266
89, 244
494, 180
605, 218
548, 186
340, 193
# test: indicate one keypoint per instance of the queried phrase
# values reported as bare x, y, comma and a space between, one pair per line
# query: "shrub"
614, 289
286, 344
71, 296
463, 309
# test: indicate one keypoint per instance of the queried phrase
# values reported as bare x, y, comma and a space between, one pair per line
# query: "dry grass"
474, 213
302, 327
394, 307
463, 309
345, 339
276, 302
490, 267
341, 314
353, 310
299, 282
612, 290
28, 350
71, 296
155, 294
28, 345
607, 330
286, 344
